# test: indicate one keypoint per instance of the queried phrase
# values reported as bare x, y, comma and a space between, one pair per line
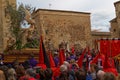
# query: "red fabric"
54, 69
109, 66
26, 78
37, 76
80, 62
43, 66
110, 47
56, 72
73, 50
41, 56
23, 78
52, 63
106, 63
105, 47
109, 63
89, 51
61, 56
112, 70
95, 60
31, 79
115, 45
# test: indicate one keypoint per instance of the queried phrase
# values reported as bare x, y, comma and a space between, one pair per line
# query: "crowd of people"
68, 70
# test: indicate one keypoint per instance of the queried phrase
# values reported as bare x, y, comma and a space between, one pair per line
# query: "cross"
50, 5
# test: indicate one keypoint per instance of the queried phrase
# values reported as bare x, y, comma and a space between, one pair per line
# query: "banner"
110, 47
105, 46
115, 45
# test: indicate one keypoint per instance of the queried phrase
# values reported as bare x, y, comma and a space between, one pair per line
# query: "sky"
102, 11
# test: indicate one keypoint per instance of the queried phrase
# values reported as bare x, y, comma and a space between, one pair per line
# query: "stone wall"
114, 29
117, 8
63, 26
115, 23
4, 24
1, 25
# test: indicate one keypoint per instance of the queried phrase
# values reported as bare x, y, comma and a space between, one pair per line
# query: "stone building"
115, 23
58, 26
98, 36
4, 24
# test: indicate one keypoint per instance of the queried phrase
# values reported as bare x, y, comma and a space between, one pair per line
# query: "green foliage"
33, 44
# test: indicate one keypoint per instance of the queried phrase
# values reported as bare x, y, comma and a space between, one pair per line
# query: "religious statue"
32, 38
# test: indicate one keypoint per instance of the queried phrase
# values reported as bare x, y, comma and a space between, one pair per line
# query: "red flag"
98, 56
41, 57
56, 72
80, 62
95, 59
52, 63
61, 56
73, 50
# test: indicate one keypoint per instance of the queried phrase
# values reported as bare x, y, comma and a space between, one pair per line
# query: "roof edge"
113, 20
100, 33
61, 11
116, 2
